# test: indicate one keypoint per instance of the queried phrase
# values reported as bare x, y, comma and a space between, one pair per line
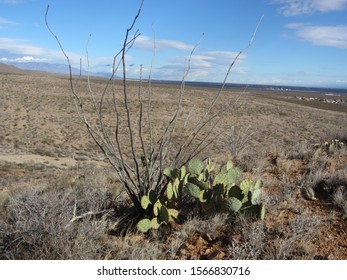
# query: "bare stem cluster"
140, 161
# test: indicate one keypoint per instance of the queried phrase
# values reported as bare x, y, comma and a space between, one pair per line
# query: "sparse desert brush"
300, 151
340, 197
238, 139
37, 222
251, 242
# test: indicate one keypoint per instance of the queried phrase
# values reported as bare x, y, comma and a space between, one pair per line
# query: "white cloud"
211, 66
23, 59
19, 48
13, 2
320, 35
9, 1
4, 22
223, 57
300, 7
146, 43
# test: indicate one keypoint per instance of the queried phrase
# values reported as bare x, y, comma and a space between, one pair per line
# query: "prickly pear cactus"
195, 167
208, 187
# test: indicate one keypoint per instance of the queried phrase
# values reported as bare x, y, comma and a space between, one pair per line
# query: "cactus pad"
193, 190
144, 225
195, 166
232, 204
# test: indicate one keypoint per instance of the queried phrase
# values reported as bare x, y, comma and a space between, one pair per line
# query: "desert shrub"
300, 151
327, 176
37, 221
238, 139
340, 197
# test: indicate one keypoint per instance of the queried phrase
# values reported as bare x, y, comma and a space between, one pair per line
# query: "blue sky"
299, 42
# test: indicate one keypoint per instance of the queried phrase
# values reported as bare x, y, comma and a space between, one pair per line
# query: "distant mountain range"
47, 67
20, 67
5, 68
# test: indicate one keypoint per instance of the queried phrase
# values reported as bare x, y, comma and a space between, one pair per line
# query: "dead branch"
88, 215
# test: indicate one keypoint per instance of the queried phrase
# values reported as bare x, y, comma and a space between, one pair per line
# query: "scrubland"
52, 172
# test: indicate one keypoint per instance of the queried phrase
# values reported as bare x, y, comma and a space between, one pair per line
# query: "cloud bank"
146, 43
320, 35
304, 7
4, 23
20, 50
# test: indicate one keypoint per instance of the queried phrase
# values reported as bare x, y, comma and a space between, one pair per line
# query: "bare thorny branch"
142, 169
113, 152
205, 119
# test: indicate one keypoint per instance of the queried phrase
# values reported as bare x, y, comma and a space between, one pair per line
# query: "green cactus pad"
145, 202
183, 172
195, 167
258, 184
193, 190
255, 194
185, 180
262, 211
234, 175
229, 165
220, 179
155, 223
163, 214
173, 214
227, 178
246, 185
176, 188
144, 225
232, 204
168, 172
156, 207
152, 196
169, 190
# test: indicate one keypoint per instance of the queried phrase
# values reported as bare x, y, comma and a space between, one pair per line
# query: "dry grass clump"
289, 232
328, 174
37, 220
340, 198
249, 242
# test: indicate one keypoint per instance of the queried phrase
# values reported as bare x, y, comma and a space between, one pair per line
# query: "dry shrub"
252, 241
340, 198
37, 221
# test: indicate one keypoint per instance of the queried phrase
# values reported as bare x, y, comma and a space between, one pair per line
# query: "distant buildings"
325, 100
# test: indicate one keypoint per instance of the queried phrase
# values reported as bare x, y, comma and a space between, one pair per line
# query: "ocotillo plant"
139, 161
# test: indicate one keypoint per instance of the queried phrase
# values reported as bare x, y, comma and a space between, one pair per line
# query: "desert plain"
51, 170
